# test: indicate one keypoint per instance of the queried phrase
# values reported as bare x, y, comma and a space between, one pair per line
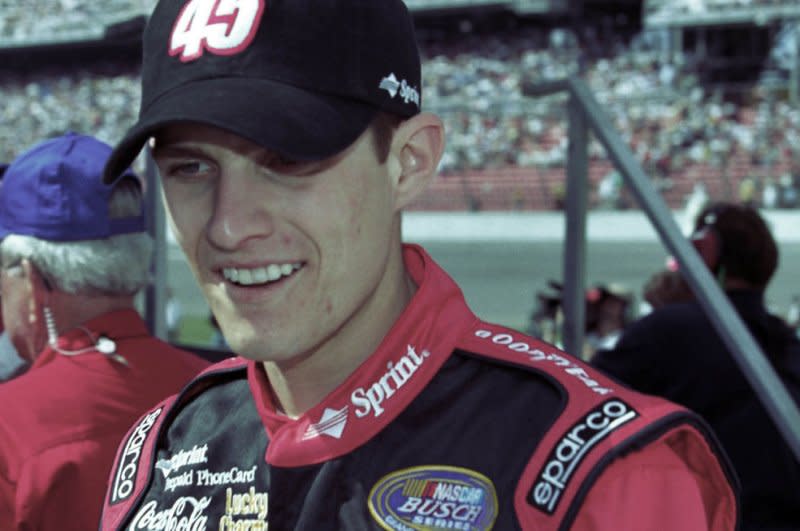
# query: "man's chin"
245, 345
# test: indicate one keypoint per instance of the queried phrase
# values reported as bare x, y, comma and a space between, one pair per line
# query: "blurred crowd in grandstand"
668, 7
688, 139
44, 20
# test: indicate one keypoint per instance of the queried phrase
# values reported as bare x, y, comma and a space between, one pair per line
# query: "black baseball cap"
301, 77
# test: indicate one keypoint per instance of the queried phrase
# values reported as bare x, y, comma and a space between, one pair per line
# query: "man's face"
290, 256
16, 297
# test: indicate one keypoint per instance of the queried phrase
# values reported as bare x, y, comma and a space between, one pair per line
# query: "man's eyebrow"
175, 150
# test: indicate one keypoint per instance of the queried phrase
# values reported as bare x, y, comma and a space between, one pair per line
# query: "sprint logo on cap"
394, 87
223, 27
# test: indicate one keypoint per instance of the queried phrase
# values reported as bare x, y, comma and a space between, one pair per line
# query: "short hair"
747, 249
383, 128
118, 265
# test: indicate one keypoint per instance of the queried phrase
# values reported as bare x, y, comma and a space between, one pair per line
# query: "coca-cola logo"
187, 513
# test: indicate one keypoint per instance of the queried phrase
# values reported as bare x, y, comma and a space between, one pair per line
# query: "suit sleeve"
65, 484
655, 489
7, 509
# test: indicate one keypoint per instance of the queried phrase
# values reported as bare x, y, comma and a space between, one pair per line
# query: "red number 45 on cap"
223, 27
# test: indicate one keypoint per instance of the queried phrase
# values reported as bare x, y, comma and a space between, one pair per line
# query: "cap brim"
296, 123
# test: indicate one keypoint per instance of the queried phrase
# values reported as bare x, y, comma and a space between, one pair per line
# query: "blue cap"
55, 191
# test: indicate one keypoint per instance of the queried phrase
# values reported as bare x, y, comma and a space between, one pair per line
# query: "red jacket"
451, 423
61, 422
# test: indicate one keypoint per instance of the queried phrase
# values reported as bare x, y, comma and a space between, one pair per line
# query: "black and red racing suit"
452, 423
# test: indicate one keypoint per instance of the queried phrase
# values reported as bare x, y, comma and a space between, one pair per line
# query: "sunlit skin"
18, 309
25, 295
233, 204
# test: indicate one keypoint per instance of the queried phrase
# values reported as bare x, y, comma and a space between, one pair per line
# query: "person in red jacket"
74, 252
11, 365
289, 137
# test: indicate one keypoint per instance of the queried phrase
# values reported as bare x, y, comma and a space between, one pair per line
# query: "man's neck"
300, 385
70, 311
734, 284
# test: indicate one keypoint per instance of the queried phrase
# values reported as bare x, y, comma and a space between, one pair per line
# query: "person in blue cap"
73, 253
11, 364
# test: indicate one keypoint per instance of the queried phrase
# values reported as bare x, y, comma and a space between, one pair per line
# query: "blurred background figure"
662, 288
609, 307
74, 253
547, 316
675, 352
11, 365
608, 310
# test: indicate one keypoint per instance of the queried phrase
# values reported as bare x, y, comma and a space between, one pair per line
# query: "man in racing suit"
288, 136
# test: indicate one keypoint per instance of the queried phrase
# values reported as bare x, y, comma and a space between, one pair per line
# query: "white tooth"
260, 275
245, 276
286, 269
230, 274
274, 271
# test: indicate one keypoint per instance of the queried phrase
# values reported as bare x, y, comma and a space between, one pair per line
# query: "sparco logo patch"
434, 497
223, 27
125, 475
572, 448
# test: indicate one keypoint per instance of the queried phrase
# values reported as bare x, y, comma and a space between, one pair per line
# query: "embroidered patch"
128, 466
219, 26
434, 497
394, 86
572, 447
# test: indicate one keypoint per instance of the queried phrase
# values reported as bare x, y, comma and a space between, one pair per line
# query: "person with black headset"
676, 353
73, 255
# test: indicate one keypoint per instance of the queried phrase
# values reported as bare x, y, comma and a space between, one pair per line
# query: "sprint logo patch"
434, 497
573, 446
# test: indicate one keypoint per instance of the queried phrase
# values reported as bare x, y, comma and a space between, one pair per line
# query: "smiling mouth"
257, 276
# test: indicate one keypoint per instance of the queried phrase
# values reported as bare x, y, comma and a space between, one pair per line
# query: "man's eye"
193, 168
286, 165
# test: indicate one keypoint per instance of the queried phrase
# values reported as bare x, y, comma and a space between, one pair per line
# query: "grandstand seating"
506, 149
717, 12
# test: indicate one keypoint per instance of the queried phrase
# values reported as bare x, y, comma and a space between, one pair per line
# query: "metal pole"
746, 352
573, 300
794, 78
155, 294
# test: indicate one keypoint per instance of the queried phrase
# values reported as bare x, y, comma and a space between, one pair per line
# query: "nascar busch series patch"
572, 447
434, 497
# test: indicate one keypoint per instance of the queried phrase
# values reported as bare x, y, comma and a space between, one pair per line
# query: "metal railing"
585, 114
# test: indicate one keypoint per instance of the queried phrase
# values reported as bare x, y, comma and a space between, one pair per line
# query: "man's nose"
240, 213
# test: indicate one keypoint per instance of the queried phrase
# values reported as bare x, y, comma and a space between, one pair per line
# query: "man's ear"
417, 148
37, 290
